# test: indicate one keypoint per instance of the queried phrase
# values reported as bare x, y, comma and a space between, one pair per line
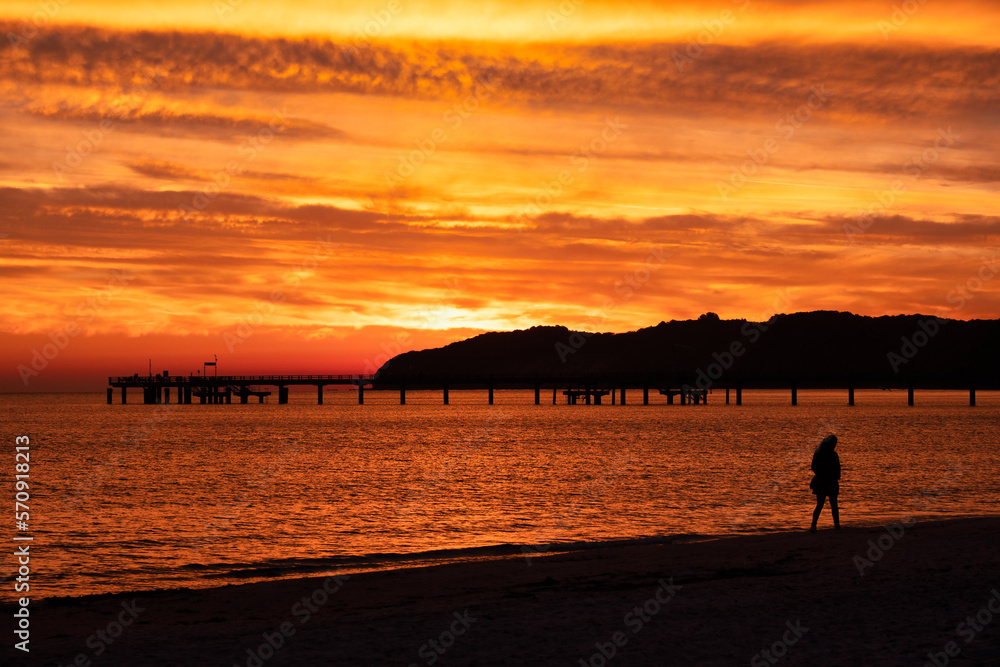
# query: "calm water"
136, 497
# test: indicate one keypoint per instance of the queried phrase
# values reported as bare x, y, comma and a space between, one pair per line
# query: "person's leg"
820, 499
836, 512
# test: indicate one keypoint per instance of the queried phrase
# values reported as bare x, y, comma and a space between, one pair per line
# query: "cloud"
139, 117
211, 271
171, 171
456, 216
885, 81
279, 182
125, 220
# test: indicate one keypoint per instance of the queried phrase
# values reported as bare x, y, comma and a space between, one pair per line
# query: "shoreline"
396, 561
717, 601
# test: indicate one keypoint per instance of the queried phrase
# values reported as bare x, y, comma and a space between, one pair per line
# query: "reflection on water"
135, 496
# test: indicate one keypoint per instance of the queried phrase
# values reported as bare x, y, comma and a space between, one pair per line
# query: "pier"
157, 388
205, 389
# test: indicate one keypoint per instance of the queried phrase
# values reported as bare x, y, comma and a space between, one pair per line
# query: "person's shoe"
812, 529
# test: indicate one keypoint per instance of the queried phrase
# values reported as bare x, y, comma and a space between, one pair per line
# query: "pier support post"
555, 389
739, 393
204, 397
244, 396
972, 396
159, 395
612, 395
727, 394
795, 394
623, 394
124, 396
187, 395
645, 394
260, 398
282, 394
361, 394
319, 394
491, 394
229, 395
909, 394
111, 394
166, 395
850, 393
446, 394
587, 395
684, 394
402, 394
538, 394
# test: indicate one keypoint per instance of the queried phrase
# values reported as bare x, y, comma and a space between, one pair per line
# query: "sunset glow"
312, 187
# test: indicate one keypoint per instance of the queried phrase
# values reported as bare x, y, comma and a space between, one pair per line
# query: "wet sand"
722, 602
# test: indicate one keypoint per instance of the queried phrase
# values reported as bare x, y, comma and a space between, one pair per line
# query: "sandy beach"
791, 598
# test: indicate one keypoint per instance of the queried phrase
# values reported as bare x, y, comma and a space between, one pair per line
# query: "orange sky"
310, 186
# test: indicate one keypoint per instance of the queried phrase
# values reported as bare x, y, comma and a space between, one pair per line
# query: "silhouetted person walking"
826, 465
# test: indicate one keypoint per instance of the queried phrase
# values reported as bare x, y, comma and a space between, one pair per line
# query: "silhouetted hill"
821, 345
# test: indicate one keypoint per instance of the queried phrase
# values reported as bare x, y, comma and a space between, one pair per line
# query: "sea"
140, 497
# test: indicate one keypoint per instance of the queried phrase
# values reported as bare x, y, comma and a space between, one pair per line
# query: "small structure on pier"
573, 395
687, 395
225, 394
